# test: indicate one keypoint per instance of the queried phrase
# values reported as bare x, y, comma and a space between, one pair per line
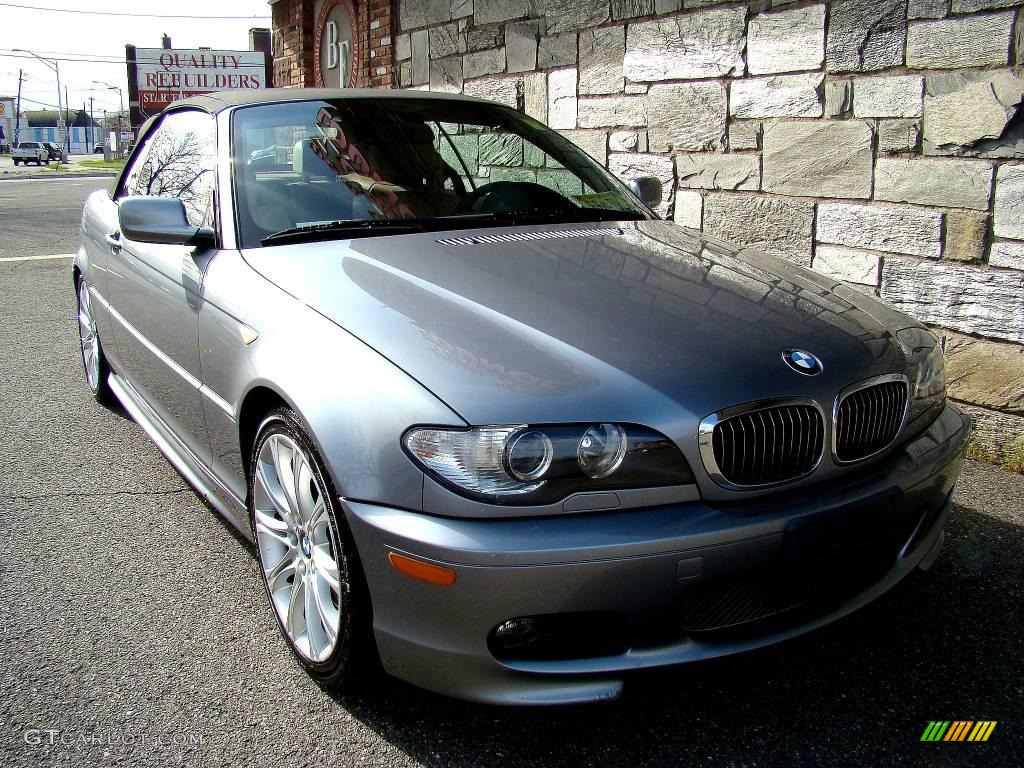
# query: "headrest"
418, 133
304, 159
390, 132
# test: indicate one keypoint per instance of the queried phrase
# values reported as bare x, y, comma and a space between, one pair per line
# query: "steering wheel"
450, 174
511, 196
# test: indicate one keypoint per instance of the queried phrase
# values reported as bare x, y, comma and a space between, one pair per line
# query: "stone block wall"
880, 142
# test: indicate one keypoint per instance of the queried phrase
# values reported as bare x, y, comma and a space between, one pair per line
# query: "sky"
51, 34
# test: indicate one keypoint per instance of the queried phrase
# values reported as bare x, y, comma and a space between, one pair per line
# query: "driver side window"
177, 160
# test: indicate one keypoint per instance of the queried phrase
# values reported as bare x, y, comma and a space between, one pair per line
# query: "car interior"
364, 174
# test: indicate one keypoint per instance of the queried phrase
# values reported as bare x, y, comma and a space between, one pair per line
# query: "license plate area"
841, 551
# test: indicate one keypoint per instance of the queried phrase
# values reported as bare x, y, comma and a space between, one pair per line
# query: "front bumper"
681, 581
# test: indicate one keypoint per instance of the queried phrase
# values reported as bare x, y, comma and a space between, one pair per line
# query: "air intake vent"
869, 419
728, 603
765, 445
518, 237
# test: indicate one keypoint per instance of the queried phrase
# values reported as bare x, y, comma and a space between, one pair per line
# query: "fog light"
528, 455
515, 633
559, 636
601, 450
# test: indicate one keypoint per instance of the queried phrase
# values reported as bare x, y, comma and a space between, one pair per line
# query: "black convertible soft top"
220, 100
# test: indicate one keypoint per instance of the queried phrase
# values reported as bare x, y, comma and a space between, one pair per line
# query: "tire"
302, 535
16, 161
93, 360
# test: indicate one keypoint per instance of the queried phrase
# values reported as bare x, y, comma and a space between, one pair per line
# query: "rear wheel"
308, 559
93, 359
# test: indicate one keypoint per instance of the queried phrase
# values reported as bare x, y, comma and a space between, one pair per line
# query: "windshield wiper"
325, 230
567, 215
342, 227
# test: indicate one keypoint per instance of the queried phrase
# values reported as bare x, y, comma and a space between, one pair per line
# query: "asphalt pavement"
133, 627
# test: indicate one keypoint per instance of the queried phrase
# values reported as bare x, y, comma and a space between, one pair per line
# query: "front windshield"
409, 164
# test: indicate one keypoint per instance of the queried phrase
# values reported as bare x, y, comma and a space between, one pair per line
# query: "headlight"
601, 450
520, 464
927, 370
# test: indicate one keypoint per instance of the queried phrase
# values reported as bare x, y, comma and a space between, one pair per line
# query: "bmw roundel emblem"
802, 361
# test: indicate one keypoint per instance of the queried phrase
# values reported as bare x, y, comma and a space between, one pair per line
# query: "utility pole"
56, 70
67, 121
17, 113
55, 66
92, 128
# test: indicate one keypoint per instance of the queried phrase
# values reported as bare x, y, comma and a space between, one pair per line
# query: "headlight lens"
468, 459
528, 454
521, 464
601, 450
927, 370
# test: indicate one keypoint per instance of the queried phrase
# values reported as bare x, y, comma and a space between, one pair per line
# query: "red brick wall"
293, 25
380, 59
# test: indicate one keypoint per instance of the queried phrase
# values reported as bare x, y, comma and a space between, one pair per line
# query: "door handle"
114, 241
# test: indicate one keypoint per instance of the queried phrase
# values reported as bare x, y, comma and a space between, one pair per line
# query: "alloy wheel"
89, 338
298, 546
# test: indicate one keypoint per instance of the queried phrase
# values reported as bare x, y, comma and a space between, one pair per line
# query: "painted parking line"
38, 258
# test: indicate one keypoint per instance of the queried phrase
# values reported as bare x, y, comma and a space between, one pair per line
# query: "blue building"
83, 131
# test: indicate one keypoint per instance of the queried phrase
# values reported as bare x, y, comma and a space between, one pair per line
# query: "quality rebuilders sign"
166, 74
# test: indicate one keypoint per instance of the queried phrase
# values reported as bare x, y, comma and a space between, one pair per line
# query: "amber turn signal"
428, 572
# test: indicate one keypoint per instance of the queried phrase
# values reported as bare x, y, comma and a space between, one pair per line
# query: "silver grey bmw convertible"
492, 425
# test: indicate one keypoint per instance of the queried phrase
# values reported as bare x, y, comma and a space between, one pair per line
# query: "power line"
41, 103
46, 54
44, 92
116, 13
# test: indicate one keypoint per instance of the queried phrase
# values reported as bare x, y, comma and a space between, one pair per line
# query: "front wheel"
95, 362
308, 559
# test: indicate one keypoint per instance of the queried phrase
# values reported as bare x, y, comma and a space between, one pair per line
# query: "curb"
45, 176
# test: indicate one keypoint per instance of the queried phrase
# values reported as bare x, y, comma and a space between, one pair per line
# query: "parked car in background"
487, 418
54, 150
263, 159
98, 149
31, 152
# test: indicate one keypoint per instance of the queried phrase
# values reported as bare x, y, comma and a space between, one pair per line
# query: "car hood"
642, 322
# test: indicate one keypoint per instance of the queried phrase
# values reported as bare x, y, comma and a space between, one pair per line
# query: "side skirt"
198, 475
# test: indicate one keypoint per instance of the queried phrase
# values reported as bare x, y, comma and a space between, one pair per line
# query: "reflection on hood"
504, 355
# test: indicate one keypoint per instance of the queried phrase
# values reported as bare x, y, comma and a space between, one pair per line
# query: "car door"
155, 289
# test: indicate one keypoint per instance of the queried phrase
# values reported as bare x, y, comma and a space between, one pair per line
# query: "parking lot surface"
133, 629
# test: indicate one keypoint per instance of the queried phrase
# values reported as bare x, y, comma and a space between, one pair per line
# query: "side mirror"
647, 188
160, 220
